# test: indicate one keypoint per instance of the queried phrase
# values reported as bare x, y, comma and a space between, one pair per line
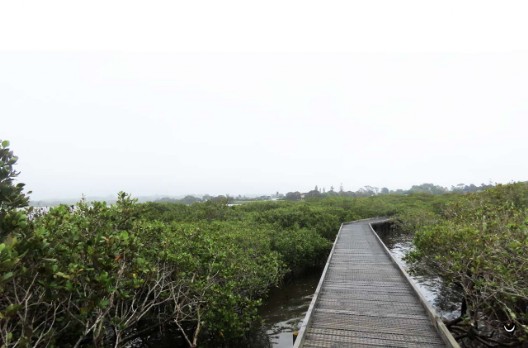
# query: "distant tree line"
316, 193
368, 191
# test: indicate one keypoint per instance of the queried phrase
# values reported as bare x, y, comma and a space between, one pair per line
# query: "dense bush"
480, 243
102, 275
97, 273
303, 215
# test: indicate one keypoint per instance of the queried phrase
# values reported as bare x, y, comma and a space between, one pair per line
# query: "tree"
313, 194
368, 191
190, 199
428, 188
293, 196
12, 196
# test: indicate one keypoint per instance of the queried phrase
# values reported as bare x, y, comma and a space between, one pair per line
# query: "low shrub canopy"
99, 275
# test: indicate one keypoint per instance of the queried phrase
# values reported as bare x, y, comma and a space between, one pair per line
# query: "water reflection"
283, 312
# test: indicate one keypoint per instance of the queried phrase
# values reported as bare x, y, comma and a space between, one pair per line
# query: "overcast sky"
240, 97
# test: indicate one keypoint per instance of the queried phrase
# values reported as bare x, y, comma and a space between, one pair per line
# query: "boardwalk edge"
436, 320
308, 316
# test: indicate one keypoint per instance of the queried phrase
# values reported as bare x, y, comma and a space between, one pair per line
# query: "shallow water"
284, 310
445, 301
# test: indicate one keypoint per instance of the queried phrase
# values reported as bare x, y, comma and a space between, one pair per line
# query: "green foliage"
301, 247
217, 209
428, 188
480, 242
236, 265
98, 275
11, 194
321, 219
13, 220
293, 196
97, 266
413, 219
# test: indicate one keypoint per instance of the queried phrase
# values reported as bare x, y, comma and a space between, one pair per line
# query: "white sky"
172, 98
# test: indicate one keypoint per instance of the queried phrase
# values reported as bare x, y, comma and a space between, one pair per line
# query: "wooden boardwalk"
365, 299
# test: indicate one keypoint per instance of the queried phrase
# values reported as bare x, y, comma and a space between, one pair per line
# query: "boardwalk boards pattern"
363, 299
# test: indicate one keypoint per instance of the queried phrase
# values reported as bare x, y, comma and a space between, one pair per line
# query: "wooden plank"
401, 336
366, 325
327, 340
364, 299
